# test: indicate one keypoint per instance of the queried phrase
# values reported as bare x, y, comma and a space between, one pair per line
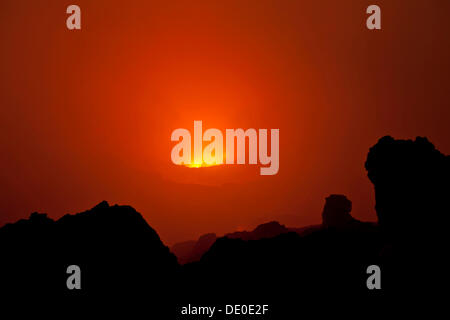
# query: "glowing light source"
202, 165
213, 153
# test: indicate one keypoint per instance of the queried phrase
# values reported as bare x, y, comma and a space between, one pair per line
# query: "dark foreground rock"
125, 265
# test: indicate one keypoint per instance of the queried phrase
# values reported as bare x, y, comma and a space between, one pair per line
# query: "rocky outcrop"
336, 212
411, 180
266, 230
104, 242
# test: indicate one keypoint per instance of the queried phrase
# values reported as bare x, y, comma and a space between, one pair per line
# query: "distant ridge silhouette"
336, 214
192, 251
123, 259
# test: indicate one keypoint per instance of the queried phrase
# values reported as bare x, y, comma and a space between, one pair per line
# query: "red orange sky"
87, 115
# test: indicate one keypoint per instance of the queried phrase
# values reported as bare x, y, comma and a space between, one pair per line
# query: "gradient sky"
87, 115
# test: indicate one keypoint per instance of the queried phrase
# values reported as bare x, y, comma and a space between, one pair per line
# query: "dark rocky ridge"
122, 257
336, 214
105, 241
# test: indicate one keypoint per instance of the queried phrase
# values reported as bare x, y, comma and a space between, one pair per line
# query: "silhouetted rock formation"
202, 245
192, 251
325, 265
121, 255
411, 180
328, 258
336, 212
263, 231
114, 246
183, 251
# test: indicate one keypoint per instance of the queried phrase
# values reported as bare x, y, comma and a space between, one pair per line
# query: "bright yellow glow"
202, 165
206, 160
